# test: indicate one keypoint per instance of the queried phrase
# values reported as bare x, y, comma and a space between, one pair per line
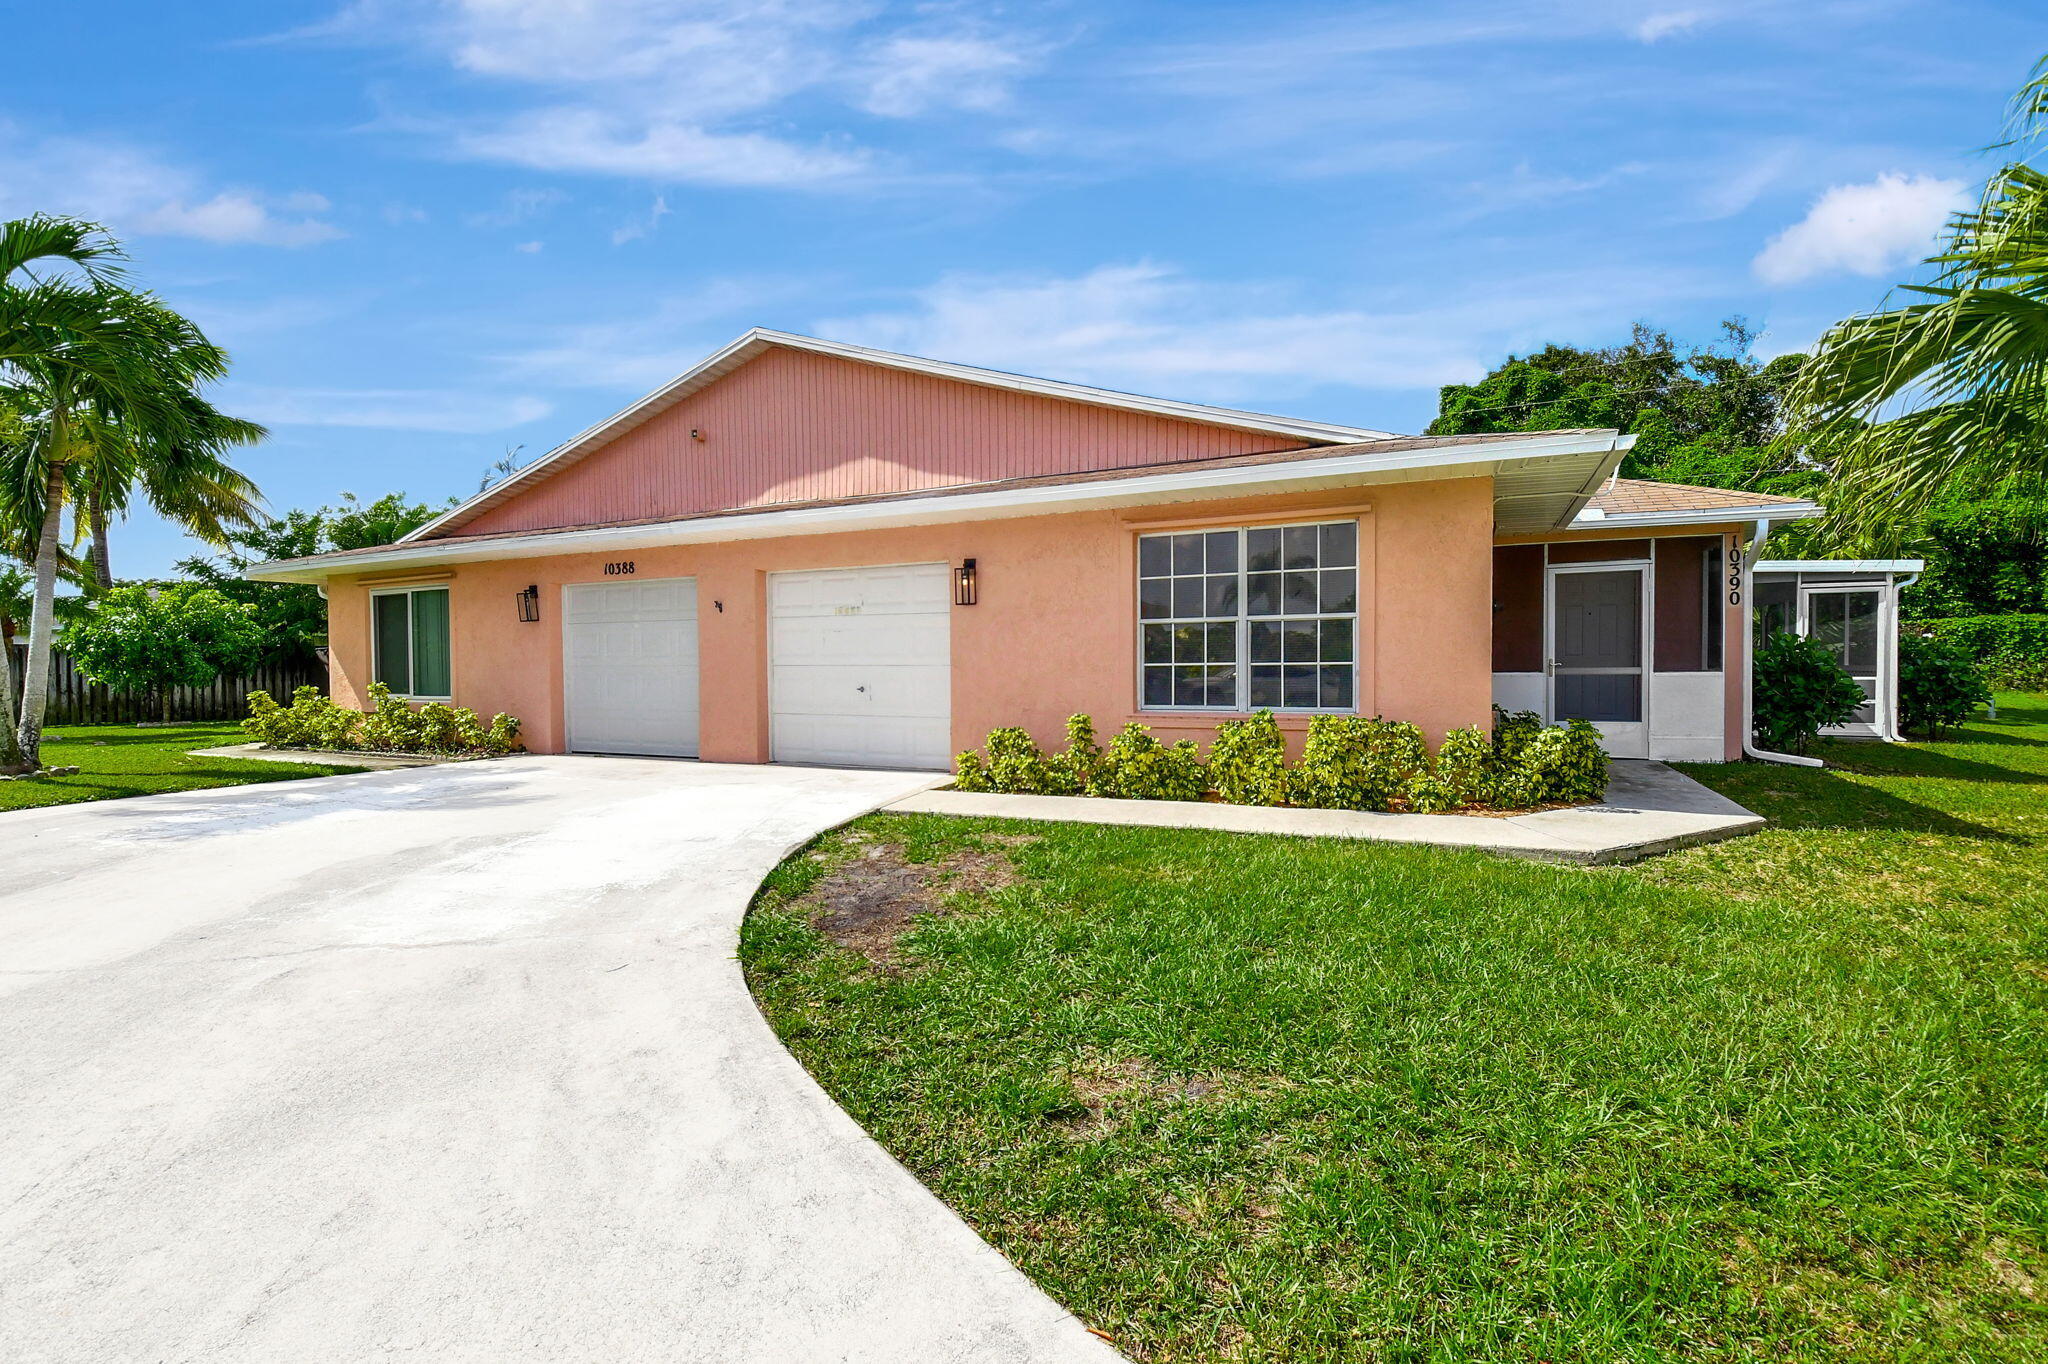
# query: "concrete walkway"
448, 1064
1650, 808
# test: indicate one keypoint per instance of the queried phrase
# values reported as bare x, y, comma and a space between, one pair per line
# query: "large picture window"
409, 630
1250, 619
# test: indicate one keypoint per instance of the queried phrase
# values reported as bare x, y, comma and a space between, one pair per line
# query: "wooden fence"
76, 701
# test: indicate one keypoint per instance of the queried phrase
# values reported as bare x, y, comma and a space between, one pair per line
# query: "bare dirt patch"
869, 901
1103, 1088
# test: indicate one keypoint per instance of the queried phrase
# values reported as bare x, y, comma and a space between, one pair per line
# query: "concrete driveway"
452, 1064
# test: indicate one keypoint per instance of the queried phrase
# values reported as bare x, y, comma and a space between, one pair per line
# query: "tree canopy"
151, 640
292, 616
1711, 415
1946, 392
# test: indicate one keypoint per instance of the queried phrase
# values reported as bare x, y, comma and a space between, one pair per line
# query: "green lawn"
1233, 1097
123, 760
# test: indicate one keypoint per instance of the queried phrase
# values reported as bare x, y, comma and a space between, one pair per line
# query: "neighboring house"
803, 551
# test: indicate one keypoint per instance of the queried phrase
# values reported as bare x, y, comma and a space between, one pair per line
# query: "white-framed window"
409, 642
1260, 617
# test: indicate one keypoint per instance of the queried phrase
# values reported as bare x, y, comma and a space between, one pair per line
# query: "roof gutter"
1697, 516
1751, 552
1890, 660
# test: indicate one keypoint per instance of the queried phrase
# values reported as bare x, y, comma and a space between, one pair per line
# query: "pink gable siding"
791, 426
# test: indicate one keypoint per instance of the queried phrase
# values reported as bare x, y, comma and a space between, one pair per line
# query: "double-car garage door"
859, 666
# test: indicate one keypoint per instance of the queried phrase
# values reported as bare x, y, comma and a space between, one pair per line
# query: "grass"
1245, 1098
125, 760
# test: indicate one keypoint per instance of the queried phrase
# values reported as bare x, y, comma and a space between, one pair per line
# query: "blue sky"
430, 230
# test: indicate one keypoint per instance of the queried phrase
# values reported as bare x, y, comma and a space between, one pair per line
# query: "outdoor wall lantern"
965, 590
529, 604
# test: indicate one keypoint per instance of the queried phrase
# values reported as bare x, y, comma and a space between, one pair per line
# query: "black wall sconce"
965, 590
529, 604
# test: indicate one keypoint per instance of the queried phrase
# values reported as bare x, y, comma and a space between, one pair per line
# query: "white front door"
1596, 653
860, 667
629, 667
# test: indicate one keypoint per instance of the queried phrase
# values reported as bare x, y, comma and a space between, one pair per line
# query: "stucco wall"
1055, 630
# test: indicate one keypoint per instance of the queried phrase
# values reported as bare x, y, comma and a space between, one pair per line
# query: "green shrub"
1462, 774
1248, 761
314, 721
1076, 767
1799, 690
311, 721
1512, 730
2013, 649
970, 773
1565, 763
1016, 765
1350, 762
1137, 766
1939, 685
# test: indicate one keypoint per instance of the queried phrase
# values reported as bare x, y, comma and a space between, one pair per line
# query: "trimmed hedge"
389, 726
2012, 649
1349, 762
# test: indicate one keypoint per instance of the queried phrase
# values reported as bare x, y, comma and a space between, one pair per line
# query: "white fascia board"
1792, 511
759, 338
1451, 461
1840, 565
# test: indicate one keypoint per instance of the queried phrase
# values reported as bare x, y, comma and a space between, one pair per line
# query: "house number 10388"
624, 566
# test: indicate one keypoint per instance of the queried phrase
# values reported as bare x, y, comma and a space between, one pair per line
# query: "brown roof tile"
1635, 496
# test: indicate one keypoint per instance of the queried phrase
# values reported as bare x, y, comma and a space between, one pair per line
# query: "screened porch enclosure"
1851, 608
1626, 634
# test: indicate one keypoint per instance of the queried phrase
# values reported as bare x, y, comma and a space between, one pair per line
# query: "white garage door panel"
629, 667
861, 666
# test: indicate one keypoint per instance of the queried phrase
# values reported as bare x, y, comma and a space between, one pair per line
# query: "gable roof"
759, 340
1642, 501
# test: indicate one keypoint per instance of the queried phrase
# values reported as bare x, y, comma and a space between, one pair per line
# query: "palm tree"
108, 381
175, 457
1950, 391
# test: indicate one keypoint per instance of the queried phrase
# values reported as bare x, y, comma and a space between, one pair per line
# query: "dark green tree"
1710, 415
292, 616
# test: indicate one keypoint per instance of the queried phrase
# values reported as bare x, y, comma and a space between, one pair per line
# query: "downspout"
1891, 658
1750, 555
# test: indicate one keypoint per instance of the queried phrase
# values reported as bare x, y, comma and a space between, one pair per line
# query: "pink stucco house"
802, 551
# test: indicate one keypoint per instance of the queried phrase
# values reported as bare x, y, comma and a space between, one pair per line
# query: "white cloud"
528, 248
236, 216
1668, 22
640, 353
135, 193
1524, 187
384, 408
1150, 327
1869, 229
517, 206
682, 90
641, 225
1141, 326
909, 75
589, 140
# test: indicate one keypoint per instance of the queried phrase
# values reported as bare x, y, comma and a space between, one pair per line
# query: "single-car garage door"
629, 667
860, 666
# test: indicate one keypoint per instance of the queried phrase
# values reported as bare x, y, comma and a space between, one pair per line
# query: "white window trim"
376, 648
1243, 705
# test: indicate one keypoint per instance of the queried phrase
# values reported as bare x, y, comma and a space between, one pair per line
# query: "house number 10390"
624, 566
